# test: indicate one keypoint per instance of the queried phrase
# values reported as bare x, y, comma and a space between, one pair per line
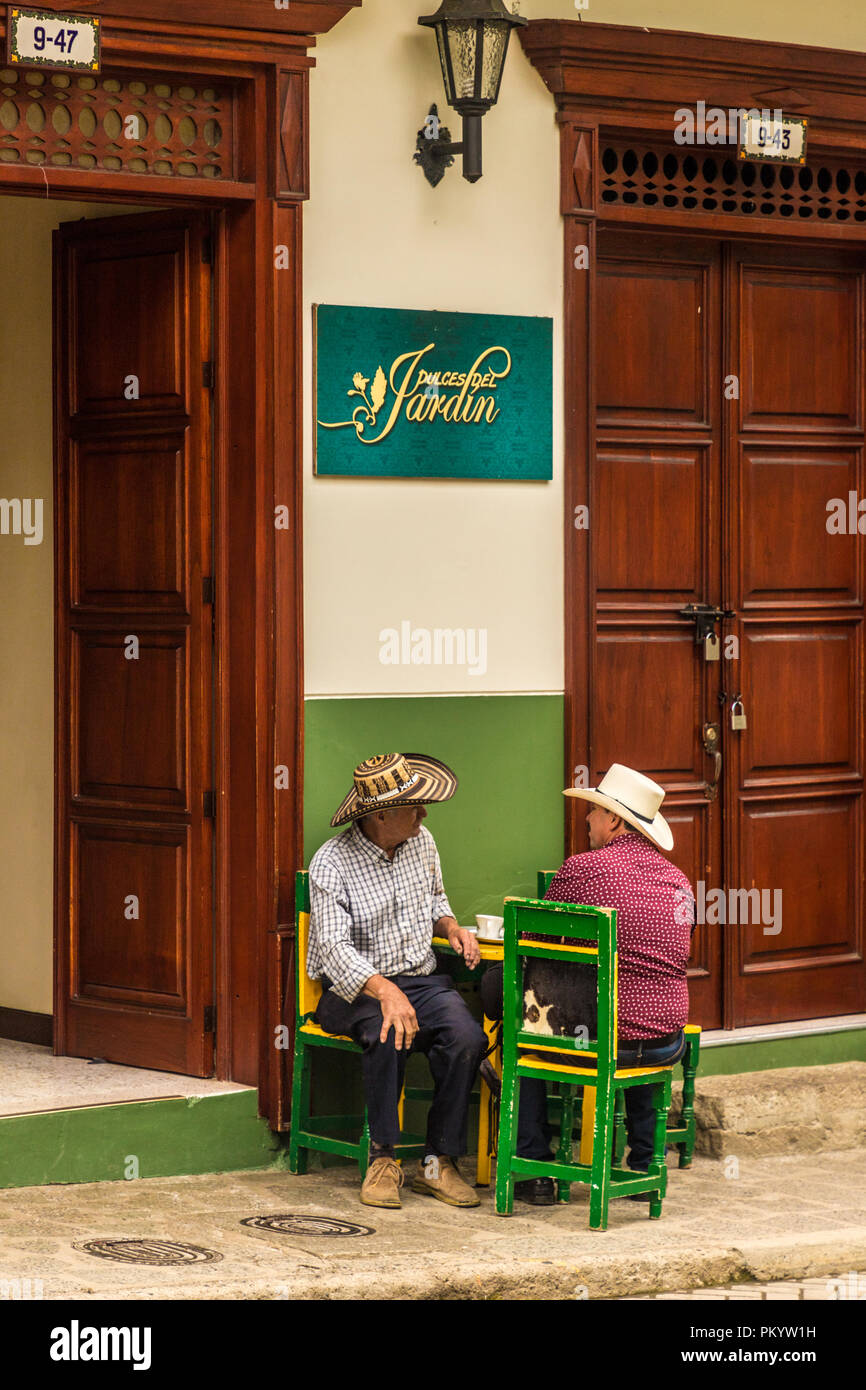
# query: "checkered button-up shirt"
371, 915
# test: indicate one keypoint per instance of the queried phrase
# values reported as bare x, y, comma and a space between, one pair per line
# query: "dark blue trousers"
454, 1045
534, 1134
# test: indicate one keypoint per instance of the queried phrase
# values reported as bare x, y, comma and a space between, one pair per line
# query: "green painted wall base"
817, 1050
507, 817
145, 1139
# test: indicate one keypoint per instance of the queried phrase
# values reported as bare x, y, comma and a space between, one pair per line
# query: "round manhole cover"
307, 1225
148, 1252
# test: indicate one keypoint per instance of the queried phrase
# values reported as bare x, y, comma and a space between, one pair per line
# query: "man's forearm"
347, 970
375, 986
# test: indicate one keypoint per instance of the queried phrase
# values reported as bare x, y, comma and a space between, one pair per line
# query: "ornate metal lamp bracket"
434, 150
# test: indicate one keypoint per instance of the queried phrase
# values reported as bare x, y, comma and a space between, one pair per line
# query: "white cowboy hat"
634, 797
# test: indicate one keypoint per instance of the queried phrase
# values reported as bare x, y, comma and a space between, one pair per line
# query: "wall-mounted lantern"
472, 36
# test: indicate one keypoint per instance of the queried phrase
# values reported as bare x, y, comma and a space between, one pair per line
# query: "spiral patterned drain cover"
148, 1252
291, 1225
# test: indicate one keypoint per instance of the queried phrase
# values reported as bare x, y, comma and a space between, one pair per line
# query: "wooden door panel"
130, 931
802, 722
815, 847
651, 359
145, 701
664, 556
814, 838
133, 488
784, 498
134, 718
678, 458
794, 776
694, 852
800, 348
655, 732
147, 277
655, 475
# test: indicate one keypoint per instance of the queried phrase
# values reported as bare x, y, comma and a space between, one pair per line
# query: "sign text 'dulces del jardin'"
406, 393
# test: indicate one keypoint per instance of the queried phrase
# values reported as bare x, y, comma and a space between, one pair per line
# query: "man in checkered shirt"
376, 896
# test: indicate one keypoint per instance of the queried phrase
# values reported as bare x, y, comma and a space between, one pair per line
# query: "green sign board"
405, 393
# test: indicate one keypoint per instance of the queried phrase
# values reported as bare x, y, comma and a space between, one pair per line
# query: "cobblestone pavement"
779, 1219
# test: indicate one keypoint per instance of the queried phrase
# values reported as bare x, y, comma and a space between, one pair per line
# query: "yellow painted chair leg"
482, 1160
486, 1135
401, 1106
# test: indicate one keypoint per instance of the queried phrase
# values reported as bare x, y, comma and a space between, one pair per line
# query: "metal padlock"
711, 647
738, 721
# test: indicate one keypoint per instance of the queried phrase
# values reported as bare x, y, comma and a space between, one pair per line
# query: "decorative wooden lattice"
117, 123
701, 181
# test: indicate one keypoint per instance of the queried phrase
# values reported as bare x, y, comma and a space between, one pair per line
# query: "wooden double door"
134, 641
730, 412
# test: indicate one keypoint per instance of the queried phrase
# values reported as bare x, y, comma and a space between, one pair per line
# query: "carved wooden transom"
117, 123
705, 179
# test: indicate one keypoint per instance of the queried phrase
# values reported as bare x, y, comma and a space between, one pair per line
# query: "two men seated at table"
376, 895
654, 905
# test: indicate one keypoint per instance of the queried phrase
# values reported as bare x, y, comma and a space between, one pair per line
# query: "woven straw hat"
395, 779
634, 797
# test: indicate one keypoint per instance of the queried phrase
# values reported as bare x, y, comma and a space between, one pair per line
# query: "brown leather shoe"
381, 1186
442, 1180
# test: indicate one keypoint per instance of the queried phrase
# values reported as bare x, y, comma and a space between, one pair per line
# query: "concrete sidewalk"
780, 1218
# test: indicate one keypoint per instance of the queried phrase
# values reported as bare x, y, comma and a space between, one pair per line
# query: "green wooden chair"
328, 1133
681, 1135
529, 1054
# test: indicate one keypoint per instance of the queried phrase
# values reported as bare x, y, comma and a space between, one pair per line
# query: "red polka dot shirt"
653, 932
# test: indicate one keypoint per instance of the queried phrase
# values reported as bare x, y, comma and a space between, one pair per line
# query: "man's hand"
397, 1012
464, 942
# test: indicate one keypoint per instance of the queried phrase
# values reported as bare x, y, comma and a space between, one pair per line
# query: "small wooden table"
491, 951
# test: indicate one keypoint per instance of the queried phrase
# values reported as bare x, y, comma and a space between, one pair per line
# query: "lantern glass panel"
493, 59
443, 59
462, 45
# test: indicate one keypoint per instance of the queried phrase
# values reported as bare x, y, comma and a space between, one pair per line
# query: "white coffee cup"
490, 928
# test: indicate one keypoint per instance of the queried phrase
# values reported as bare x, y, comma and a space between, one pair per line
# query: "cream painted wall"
473, 555
461, 554
27, 607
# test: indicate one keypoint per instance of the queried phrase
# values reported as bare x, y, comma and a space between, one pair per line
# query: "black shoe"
538, 1192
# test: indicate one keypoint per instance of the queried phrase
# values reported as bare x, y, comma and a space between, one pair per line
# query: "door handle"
712, 737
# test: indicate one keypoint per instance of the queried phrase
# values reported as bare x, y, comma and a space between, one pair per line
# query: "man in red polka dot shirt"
654, 903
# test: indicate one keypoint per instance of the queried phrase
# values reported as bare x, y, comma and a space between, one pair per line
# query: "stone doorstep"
791, 1110
784, 1291
166, 1137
